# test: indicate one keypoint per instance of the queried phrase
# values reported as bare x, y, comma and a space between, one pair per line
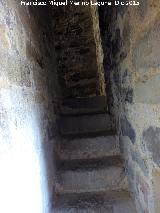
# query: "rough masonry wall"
79, 68
131, 45
27, 114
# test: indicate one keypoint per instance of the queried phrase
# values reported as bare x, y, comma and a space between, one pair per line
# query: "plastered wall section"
27, 113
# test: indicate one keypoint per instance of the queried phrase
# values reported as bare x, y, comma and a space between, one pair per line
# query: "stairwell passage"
92, 176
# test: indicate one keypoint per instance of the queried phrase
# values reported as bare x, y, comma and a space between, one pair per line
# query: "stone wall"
78, 50
27, 108
131, 46
99, 49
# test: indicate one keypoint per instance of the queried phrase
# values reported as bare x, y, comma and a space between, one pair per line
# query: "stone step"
114, 202
90, 164
90, 105
81, 83
85, 125
89, 148
98, 176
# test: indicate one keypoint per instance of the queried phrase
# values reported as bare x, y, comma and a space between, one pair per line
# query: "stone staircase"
91, 174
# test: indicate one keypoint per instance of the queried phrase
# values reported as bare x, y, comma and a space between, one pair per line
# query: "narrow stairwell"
91, 173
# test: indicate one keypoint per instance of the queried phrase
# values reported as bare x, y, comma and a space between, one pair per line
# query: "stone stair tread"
86, 134
89, 148
85, 124
115, 202
92, 179
90, 105
91, 164
91, 172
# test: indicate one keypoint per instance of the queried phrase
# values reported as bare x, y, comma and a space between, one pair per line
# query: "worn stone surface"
93, 180
81, 106
146, 54
130, 38
145, 59
151, 137
79, 57
89, 148
119, 203
85, 125
148, 91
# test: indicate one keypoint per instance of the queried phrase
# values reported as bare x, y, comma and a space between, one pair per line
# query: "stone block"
111, 178
90, 105
85, 125
151, 137
148, 91
147, 52
89, 148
